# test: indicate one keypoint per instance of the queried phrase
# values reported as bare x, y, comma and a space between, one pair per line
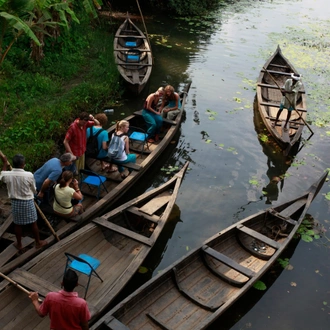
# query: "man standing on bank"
65, 309
289, 100
21, 189
75, 139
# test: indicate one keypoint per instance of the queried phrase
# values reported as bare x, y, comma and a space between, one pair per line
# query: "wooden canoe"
198, 288
272, 76
10, 259
120, 239
133, 56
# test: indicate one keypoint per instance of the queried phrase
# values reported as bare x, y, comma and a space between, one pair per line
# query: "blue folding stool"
84, 264
92, 179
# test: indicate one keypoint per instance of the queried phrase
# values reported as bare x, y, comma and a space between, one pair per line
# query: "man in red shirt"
66, 310
75, 139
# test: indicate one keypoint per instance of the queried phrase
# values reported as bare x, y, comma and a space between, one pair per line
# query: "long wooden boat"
120, 240
198, 288
273, 76
116, 188
133, 56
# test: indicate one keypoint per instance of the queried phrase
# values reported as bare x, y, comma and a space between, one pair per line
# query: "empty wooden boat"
133, 56
120, 240
116, 187
272, 77
198, 288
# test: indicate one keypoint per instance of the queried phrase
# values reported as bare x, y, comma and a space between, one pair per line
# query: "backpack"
116, 146
92, 146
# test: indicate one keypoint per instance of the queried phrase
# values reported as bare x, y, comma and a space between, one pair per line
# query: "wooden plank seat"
274, 87
277, 105
139, 64
155, 204
129, 36
258, 236
33, 282
276, 72
130, 49
160, 324
228, 261
189, 296
290, 121
123, 231
132, 166
280, 66
294, 207
165, 120
137, 211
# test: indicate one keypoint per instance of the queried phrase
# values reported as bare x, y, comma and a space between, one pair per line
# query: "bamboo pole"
289, 100
8, 164
18, 286
144, 25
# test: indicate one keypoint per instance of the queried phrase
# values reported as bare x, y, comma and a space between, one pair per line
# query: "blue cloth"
51, 170
24, 211
131, 158
102, 137
154, 122
172, 103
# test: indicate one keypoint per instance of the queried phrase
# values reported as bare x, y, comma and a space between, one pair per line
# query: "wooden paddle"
46, 221
8, 164
289, 100
18, 286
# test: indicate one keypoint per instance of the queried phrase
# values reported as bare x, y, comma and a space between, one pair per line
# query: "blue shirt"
51, 170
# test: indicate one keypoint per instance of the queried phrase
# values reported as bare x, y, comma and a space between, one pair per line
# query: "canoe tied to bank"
120, 241
133, 56
272, 77
195, 290
114, 187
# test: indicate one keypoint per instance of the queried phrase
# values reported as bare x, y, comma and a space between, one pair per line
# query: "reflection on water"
222, 56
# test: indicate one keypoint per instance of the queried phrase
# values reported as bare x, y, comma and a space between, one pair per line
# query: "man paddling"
65, 309
289, 100
21, 189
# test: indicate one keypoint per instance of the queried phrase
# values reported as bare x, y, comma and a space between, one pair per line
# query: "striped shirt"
20, 183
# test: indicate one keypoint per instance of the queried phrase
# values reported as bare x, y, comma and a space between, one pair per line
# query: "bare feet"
285, 129
273, 125
41, 244
19, 247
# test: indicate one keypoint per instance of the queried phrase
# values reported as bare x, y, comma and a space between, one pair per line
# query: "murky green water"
230, 166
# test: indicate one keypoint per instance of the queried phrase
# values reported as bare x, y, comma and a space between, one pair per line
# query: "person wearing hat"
50, 172
289, 100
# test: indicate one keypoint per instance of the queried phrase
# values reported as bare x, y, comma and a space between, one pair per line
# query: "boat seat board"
10, 251
228, 261
274, 87
130, 49
259, 236
33, 282
155, 204
136, 210
129, 36
277, 105
123, 231
115, 324
154, 319
290, 121
165, 120
6, 225
277, 72
278, 215
191, 297
294, 207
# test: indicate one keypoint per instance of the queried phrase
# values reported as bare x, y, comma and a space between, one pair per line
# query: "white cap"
295, 76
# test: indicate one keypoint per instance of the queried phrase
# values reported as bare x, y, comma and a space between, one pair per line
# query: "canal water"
230, 166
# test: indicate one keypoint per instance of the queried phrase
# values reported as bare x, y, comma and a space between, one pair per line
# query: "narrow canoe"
116, 187
198, 288
120, 240
133, 56
272, 76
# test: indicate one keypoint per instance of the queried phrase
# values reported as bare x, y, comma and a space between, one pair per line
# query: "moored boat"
195, 290
133, 56
120, 240
272, 77
116, 187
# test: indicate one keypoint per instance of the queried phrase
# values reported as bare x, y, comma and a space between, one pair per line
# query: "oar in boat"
289, 101
18, 286
46, 221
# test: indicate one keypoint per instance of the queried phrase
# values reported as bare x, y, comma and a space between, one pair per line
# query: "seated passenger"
63, 195
171, 103
103, 140
152, 116
123, 156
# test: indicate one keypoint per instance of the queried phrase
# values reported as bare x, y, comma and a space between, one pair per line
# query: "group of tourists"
59, 175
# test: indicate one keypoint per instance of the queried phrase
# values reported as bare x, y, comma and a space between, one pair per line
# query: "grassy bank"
38, 101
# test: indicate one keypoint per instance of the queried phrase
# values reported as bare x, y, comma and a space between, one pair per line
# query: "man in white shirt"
21, 189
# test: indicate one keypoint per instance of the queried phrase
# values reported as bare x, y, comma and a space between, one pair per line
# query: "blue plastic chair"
84, 264
138, 136
91, 178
